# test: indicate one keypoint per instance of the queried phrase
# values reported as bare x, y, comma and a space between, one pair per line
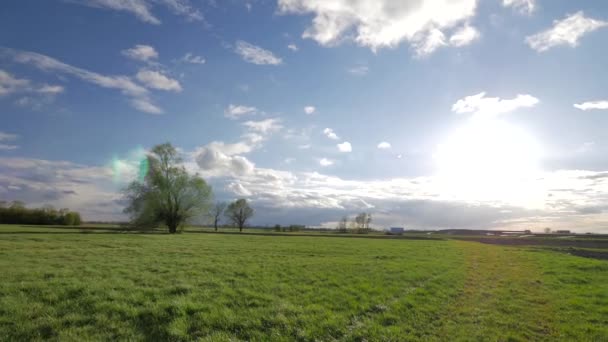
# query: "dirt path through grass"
503, 296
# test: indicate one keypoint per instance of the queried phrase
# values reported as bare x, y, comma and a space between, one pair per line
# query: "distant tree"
277, 227
168, 195
547, 230
238, 212
216, 213
343, 224
362, 222
17, 213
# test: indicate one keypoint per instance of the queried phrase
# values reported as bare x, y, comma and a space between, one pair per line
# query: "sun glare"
489, 160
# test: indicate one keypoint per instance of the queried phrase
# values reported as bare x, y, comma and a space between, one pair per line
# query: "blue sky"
428, 114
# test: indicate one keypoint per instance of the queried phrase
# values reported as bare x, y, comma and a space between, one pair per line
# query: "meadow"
65, 284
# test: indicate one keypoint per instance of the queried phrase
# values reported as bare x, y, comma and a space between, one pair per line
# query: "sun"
489, 160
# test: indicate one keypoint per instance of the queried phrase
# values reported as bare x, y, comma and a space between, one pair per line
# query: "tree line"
171, 197
17, 213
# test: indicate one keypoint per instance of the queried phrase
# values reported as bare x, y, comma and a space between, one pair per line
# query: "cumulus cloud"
330, 134
256, 55
567, 31
140, 96
141, 52
309, 109
157, 80
292, 47
193, 59
382, 23
384, 145
345, 147
523, 6
142, 9
480, 105
326, 162
217, 162
592, 105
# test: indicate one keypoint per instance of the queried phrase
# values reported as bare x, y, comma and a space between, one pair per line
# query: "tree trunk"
172, 229
215, 225
241, 228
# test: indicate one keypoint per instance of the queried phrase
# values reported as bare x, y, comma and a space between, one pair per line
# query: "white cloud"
592, 105
50, 89
382, 23
238, 189
10, 84
567, 31
7, 147
309, 109
256, 55
144, 105
6, 137
193, 59
88, 189
384, 145
292, 47
464, 36
345, 147
139, 95
264, 127
141, 52
480, 105
325, 162
330, 134
236, 111
304, 146
358, 70
156, 80
523, 6
212, 159
142, 9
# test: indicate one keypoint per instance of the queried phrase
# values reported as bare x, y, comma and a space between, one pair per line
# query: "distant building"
397, 230
562, 232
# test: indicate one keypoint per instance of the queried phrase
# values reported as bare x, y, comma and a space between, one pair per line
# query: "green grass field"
62, 284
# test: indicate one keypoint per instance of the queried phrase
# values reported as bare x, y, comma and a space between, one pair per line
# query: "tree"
238, 212
547, 230
168, 195
362, 221
217, 211
368, 220
342, 225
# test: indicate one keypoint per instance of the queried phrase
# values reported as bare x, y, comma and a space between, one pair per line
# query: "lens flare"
133, 167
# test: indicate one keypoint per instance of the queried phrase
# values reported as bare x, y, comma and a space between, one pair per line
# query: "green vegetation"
60, 284
168, 195
16, 213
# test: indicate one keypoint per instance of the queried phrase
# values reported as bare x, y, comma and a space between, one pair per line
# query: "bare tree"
238, 212
343, 224
216, 213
